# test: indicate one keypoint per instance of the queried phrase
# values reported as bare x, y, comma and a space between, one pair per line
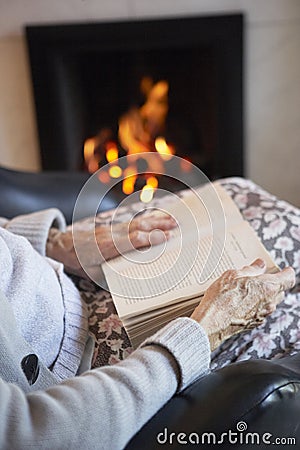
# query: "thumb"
257, 267
283, 280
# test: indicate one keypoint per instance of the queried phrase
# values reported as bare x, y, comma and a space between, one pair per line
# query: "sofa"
252, 402
25, 192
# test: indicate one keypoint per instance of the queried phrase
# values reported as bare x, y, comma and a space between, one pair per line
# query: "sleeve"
104, 408
35, 226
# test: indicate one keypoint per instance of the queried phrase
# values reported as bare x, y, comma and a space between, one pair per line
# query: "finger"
269, 309
138, 239
280, 281
152, 223
258, 267
142, 238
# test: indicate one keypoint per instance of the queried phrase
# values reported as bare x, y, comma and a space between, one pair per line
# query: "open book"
150, 287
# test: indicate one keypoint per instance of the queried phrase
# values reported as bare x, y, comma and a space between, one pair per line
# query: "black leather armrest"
261, 396
25, 192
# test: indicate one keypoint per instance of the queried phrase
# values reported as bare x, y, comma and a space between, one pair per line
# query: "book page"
148, 286
194, 206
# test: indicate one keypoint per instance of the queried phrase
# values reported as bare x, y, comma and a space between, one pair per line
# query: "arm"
83, 250
36, 226
105, 407
46, 231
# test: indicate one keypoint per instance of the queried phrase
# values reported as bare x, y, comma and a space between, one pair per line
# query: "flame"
131, 135
152, 181
112, 152
115, 171
130, 176
89, 155
148, 190
165, 151
89, 148
147, 193
140, 130
128, 185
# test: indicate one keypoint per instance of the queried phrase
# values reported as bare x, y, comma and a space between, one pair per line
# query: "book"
152, 286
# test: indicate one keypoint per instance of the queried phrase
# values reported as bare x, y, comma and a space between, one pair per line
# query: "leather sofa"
24, 192
250, 404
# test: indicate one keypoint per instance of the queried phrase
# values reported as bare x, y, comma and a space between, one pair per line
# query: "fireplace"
88, 77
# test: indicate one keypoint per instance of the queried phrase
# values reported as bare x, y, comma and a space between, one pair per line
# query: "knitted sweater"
47, 306
102, 408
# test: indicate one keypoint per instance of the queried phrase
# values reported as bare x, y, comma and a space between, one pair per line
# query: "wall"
272, 77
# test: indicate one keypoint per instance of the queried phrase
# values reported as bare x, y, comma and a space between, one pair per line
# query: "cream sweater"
101, 408
47, 306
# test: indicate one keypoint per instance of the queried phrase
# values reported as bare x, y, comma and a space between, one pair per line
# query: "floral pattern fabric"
277, 224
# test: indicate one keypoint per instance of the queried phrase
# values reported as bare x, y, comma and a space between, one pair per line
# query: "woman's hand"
107, 241
240, 300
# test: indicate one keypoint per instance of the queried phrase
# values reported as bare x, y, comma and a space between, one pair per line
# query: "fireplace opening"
172, 86
145, 100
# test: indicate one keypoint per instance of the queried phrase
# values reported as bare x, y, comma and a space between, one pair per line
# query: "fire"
130, 176
152, 181
112, 153
165, 151
147, 194
148, 190
140, 130
115, 171
89, 155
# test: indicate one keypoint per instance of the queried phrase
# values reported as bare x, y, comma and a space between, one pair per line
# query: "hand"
240, 300
104, 242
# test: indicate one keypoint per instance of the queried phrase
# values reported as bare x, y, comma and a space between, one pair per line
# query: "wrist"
58, 246
52, 243
209, 327
61, 248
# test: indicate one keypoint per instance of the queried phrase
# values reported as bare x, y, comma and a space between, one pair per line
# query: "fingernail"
260, 262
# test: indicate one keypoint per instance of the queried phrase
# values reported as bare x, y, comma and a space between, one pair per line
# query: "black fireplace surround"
86, 75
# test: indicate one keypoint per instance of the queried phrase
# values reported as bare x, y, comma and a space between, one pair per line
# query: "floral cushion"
277, 224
